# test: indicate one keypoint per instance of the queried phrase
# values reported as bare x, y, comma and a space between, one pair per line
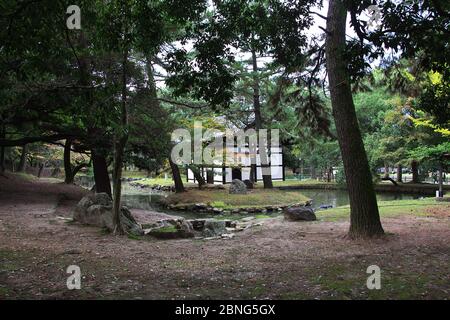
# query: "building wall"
276, 163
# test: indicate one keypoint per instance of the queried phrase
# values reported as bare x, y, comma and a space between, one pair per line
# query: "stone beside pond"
204, 208
169, 188
156, 187
96, 210
299, 214
207, 229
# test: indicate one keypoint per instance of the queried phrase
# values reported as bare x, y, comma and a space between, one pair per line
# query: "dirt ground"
278, 260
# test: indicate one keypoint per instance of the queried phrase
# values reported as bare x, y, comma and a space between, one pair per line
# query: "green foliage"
438, 154
274, 28
340, 176
435, 100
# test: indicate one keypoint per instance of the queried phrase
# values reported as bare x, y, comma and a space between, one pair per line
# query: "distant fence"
429, 179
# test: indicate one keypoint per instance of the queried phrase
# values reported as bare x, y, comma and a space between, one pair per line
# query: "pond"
322, 199
337, 198
148, 199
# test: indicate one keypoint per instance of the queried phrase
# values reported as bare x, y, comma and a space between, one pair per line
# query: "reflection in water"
147, 201
132, 197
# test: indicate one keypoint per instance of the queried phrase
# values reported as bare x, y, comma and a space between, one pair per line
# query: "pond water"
148, 199
337, 198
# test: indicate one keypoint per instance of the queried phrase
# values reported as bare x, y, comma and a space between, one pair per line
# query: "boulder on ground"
198, 224
214, 228
237, 187
186, 228
249, 184
129, 223
173, 229
299, 214
96, 210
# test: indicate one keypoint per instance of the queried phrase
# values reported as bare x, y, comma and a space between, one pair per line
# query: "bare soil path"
278, 260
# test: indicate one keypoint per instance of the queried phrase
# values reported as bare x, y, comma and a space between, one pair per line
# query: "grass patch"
25, 176
166, 229
104, 231
344, 281
219, 204
134, 237
70, 221
11, 260
158, 181
255, 198
295, 295
4, 292
387, 209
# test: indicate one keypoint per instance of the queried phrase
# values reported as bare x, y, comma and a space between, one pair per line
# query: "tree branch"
26, 140
183, 104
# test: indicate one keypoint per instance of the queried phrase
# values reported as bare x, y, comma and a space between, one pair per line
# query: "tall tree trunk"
67, 165
399, 173
265, 163
197, 175
210, 176
313, 173
386, 170
253, 177
415, 171
41, 168
179, 187
2, 149
329, 174
121, 138
364, 215
119, 147
100, 167
23, 159
441, 180
101, 177
176, 176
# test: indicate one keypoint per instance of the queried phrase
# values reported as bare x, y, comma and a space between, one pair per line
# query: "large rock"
249, 184
299, 214
96, 210
129, 223
237, 187
214, 228
186, 227
173, 229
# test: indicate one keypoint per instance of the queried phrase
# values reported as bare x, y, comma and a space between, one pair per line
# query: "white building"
242, 167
